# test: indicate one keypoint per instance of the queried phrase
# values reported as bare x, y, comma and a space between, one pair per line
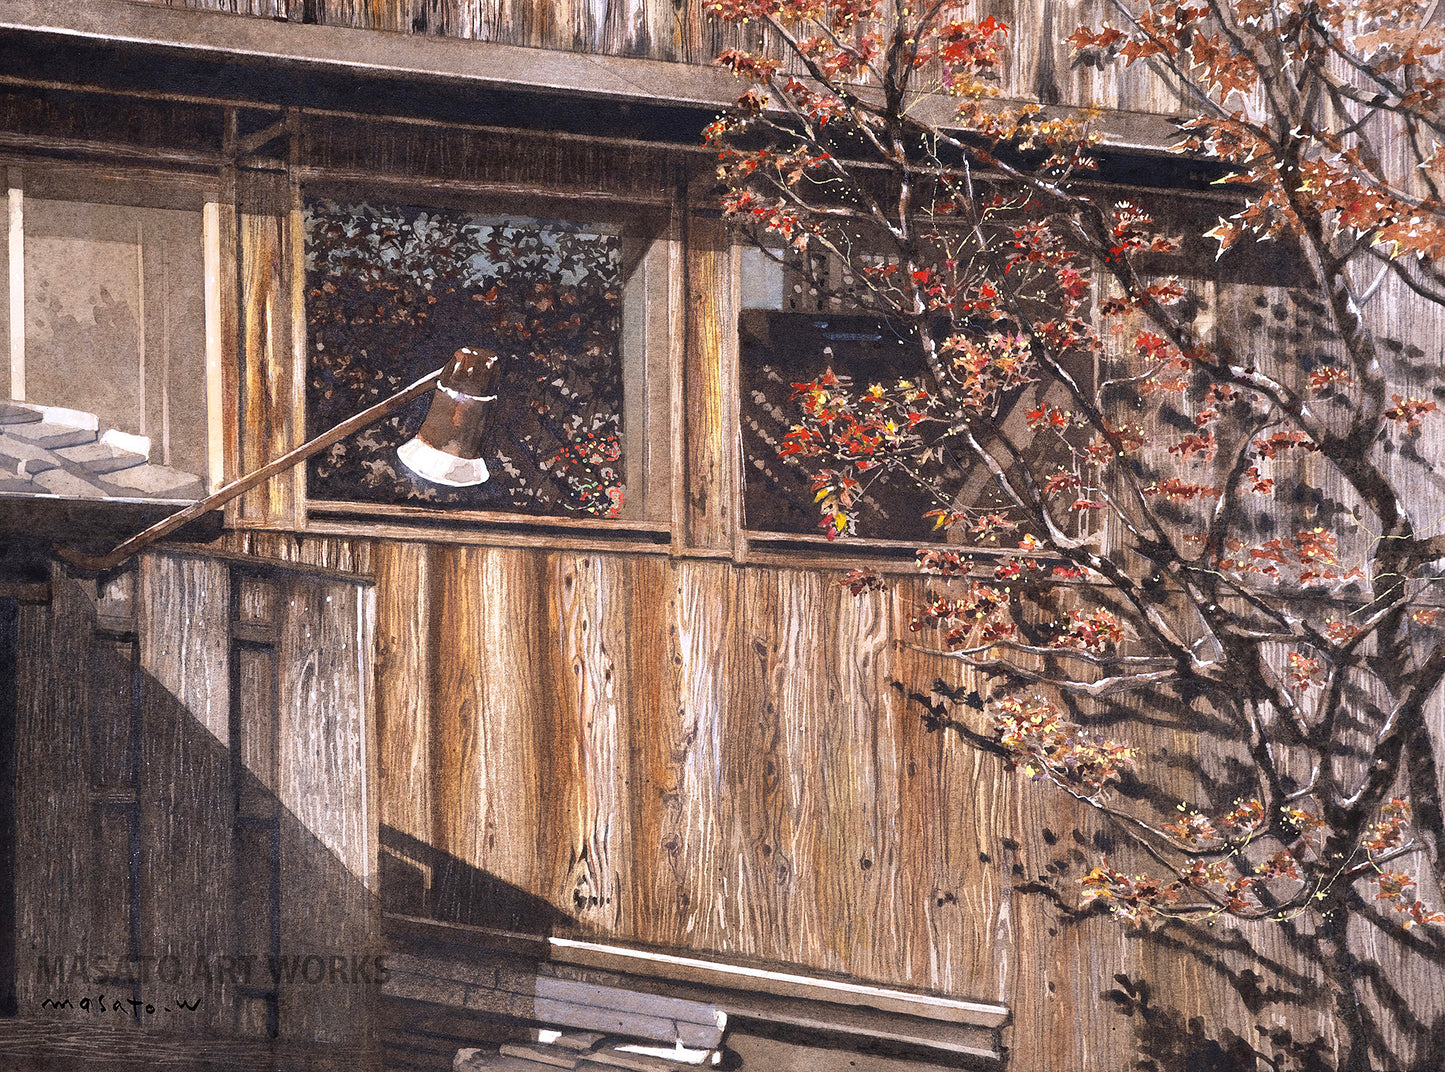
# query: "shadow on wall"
1221, 996
421, 881
162, 866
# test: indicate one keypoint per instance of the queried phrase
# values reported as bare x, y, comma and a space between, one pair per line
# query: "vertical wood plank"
404, 675
588, 606
183, 618
692, 898
328, 843
485, 631
186, 802
324, 659
267, 426
50, 764
714, 452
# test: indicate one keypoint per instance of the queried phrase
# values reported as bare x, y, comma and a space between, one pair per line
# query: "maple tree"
1139, 452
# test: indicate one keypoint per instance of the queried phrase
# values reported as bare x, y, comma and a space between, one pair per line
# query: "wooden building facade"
595, 734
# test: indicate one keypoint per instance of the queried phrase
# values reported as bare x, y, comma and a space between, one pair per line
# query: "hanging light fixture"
447, 450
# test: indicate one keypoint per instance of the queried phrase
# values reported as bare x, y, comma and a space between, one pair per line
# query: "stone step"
101, 457
153, 482
18, 413
51, 435
59, 482
25, 459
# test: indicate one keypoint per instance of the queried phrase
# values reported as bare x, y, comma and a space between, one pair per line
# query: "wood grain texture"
183, 621
684, 753
267, 426
714, 451
453, 160
727, 760
592, 643
186, 802
721, 760
50, 764
328, 861
325, 667
403, 677
1040, 66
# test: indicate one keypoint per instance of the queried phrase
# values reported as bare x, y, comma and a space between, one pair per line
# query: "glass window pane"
392, 291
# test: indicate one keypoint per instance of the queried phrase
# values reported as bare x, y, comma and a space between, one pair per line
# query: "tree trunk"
1339, 967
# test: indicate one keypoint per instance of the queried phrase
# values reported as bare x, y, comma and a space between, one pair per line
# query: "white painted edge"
736, 976
16, 268
439, 467
70, 418
215, 377
135, 444
679, 1053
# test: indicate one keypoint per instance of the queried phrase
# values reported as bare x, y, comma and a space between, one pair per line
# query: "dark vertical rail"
136, 731
250, 815
9, 635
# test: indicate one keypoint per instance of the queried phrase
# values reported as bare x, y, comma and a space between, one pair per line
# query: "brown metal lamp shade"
447, 450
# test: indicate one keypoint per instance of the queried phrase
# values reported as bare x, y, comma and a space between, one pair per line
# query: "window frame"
649, 358
192, 187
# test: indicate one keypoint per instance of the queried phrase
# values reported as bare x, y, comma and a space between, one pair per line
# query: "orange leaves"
969, 51
988, 368
1095, 44
1396, 887
1310, 553
1246, 817
1048, 416
1341, 632
1260, 486
1117, 442
1154, 347
1193, 829
859, 581
1328, 376
1302, 671
1192, 444
1138, 900
943, 563
775, 217
748, 65
1043, 743
977, 616
1176, 489
989, 525
1270, 446
1098, 631
1408, 411
1061, 482
837, 493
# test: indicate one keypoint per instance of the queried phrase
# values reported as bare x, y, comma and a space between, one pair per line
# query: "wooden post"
15, 184
215, 349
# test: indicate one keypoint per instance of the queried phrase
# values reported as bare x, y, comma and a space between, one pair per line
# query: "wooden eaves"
459, 64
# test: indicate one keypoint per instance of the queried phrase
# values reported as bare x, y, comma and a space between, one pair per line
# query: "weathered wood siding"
1040, 67
193, 782
696, 755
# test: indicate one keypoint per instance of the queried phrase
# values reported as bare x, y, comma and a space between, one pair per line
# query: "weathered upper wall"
1040, 66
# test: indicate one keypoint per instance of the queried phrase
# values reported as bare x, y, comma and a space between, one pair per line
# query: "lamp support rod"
218, 498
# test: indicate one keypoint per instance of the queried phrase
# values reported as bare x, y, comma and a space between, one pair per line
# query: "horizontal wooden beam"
370, 52
455, 62
25, 591
714, 974
721, 974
